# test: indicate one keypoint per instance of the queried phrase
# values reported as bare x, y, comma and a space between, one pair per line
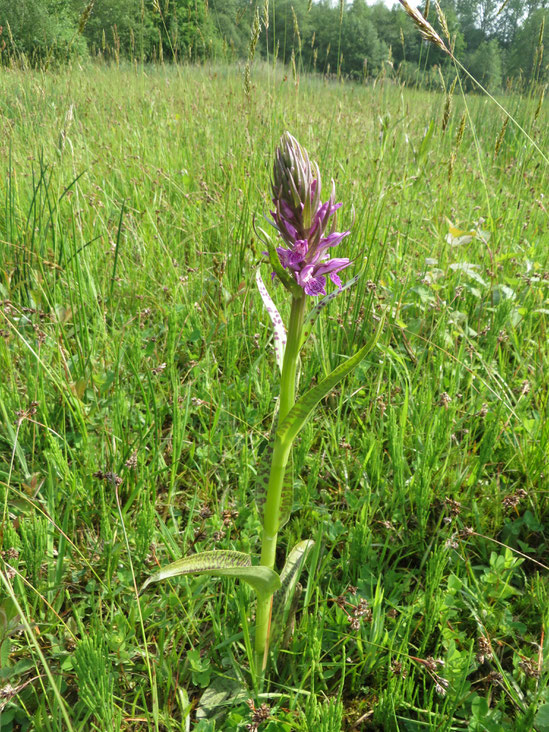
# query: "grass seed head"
442, 20
296, 29
425, 28
254, 37
461, 130
501, 135
83, 21
448, 105
540, 104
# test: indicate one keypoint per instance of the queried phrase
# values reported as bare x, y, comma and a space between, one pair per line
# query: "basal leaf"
470, 270
222, 563
278, 325
302, 409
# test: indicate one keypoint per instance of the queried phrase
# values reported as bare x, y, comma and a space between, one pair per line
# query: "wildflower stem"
291, 356
281, 452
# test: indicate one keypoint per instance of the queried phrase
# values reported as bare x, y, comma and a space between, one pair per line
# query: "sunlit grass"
137, 393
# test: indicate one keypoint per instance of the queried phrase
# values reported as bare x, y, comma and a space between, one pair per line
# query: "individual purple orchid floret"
303, 221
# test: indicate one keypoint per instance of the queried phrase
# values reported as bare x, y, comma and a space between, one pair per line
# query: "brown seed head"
425, 28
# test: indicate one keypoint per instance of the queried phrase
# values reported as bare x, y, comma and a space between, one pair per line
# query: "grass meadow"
138, 385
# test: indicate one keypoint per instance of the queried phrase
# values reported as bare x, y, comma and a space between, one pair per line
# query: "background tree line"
498, 41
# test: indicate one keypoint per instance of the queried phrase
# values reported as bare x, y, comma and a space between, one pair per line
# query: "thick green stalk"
281, 452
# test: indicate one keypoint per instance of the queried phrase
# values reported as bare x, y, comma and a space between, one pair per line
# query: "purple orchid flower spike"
306, 225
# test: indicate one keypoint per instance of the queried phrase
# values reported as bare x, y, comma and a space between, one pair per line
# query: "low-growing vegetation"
137, 394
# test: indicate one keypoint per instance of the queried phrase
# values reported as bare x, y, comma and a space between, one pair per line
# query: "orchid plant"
306, 227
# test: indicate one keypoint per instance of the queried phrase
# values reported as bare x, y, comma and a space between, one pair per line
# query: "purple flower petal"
315, 286
319, 217
305, 274
286, 209
332, 265
284, 256
333, 239
298, 254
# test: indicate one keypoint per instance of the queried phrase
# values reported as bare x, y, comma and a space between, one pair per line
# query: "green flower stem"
281, 453
291, 357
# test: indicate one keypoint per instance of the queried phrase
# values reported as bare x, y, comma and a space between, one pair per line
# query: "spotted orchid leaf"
222, 563
299, 414
315, 312
263, 475
278, 325
289, 578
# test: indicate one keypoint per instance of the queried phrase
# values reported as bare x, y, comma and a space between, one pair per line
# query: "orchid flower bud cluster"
306, 225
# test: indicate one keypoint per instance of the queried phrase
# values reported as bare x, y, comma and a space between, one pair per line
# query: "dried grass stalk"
425, 28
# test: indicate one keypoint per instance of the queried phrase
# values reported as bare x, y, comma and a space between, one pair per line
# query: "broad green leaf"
314, 313
302, 409
278, 325
263, 475
458, 241
222, 563
223, 692
542, 718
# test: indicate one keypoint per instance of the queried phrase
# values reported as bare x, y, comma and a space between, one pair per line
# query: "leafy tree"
486, 66
124, 23
526, 54
509, 20
40, 30
360, 41
289, 27
491, 36
184, 28
231, 22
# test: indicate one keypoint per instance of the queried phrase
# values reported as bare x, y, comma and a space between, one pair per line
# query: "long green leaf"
301, 411
222, 563
286, 598
289, 577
